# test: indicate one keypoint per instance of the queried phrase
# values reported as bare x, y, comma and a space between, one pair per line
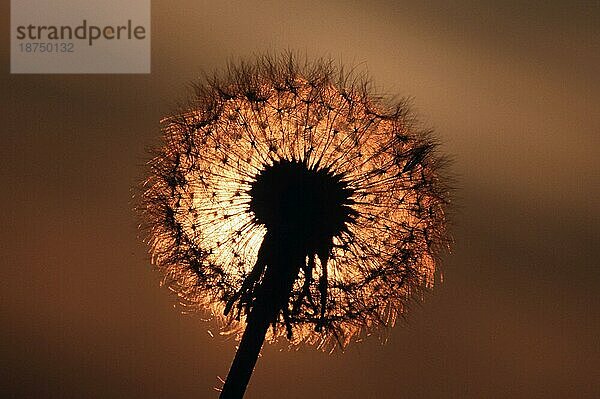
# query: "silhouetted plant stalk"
291, 200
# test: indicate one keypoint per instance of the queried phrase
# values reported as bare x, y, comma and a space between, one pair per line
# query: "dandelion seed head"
275, 147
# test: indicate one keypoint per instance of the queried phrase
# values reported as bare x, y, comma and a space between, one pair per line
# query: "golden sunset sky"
513, 93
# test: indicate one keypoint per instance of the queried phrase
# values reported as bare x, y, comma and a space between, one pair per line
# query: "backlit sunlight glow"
196, 204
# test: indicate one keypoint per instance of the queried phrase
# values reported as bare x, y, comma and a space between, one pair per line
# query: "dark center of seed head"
304, 207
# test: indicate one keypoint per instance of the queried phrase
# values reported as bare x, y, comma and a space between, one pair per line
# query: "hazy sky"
513, 94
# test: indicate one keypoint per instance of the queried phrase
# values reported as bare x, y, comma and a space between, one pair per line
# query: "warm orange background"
514, 94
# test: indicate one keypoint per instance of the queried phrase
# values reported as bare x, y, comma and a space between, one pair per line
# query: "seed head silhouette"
289, 200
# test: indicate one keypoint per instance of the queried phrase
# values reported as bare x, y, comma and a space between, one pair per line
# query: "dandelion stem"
247, 354
272, 297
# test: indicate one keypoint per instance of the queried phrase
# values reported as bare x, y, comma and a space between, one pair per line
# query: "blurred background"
512, 90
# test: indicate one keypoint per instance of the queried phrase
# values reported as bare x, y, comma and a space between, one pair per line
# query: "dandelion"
288, 200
